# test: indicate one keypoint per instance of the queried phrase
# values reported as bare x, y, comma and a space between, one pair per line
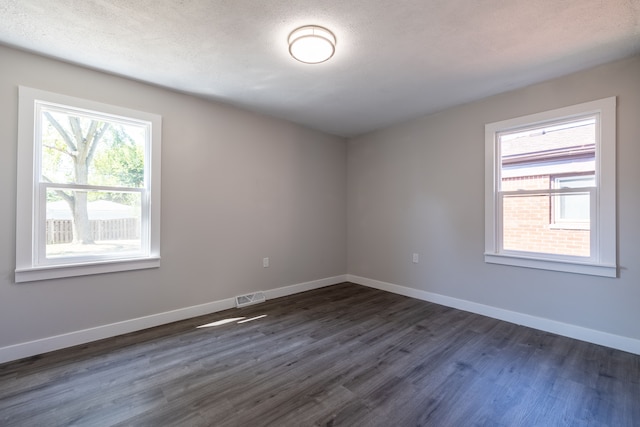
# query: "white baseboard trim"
44, 345
606, 339
306, 286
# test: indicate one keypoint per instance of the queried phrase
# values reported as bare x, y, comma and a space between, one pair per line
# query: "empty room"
339, 213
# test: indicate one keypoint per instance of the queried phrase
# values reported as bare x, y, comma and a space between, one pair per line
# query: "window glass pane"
572, 208
91, 223
529, 157
527, 225
80, 148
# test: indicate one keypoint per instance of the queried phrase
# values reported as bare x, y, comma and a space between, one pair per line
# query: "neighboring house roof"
541, 141
558, 149
99, 209
562, 167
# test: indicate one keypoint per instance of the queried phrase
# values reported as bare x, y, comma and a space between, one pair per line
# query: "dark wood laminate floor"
344, 355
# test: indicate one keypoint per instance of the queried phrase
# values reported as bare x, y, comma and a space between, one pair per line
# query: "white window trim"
27, 268
604, 259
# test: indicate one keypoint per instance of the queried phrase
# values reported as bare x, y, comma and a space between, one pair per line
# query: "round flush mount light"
312, 44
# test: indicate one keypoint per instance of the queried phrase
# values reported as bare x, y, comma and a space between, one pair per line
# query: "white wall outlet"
415, 258
265, 262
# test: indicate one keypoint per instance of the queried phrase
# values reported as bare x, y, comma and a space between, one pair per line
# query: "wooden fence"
61, 230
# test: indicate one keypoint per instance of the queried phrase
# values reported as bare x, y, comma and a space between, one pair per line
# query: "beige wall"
236, 187
419, 187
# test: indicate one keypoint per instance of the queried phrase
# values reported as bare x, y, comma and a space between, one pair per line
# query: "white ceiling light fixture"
312, 44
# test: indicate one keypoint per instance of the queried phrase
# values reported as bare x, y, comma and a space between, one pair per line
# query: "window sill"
570, 226
553, 265
32, 274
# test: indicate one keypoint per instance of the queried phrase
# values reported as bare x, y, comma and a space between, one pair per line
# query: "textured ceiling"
395, 60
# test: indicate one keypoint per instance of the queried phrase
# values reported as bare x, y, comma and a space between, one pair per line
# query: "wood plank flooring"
344, 355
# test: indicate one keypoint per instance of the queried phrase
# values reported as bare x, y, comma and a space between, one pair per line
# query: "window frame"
556, 220
603, 259
31, 209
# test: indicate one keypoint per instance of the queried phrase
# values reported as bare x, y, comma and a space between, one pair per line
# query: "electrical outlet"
265, 262
416, 258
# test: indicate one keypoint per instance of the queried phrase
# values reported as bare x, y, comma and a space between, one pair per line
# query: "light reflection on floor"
238, 320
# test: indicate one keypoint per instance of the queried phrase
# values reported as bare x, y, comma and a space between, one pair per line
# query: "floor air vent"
248, 299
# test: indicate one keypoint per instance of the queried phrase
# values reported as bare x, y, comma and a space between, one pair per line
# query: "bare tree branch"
96, 139
77, 130
53, 147
67, 198
62, 132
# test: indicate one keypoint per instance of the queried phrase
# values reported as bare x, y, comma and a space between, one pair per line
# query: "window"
572, 211
88, 187
550, 190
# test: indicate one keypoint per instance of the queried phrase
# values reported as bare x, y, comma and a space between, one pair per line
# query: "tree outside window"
83, 156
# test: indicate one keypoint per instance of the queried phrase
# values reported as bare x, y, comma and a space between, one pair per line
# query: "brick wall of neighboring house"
527, 222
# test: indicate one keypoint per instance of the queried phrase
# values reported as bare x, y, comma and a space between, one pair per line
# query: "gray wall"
236, 187
419, 187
